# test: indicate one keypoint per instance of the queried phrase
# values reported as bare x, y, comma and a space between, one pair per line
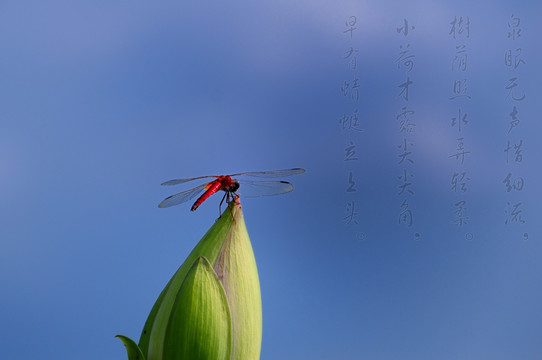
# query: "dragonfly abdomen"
214, 187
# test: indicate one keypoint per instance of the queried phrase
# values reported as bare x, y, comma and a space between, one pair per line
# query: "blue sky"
101, 102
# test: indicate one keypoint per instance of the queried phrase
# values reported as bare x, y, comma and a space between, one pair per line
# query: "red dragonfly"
230, 187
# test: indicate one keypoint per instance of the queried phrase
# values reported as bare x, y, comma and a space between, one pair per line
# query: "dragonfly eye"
235, 186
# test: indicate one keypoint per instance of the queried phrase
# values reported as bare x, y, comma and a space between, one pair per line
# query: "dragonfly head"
235, 186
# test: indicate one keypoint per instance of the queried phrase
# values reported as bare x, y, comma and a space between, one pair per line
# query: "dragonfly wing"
272, 174
263, 188
181, 197
181, 181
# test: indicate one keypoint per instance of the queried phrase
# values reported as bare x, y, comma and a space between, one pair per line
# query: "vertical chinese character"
350, 122
515, 120
405, 216
350, 152
350, 24
460, 31
513, 59
351, 183
460, 27
351, 89
460, 59
351, 214
513, 213
405, 28
460, 210
460, 151
512, 84
405, 59
406, 124
404, 89
514, 31
350, 54
460, 89
405, 183
513, 150
459, 120
459, 182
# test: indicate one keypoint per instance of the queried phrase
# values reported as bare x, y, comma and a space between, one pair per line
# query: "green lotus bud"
211, 307
199, 326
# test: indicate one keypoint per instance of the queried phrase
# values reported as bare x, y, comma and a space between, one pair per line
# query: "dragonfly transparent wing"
182, 197
272, 174
263, 188
182, 181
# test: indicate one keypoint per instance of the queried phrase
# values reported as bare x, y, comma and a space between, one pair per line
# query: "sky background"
100, 102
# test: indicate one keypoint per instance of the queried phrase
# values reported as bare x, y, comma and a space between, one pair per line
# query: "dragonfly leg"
228, 194
219, 206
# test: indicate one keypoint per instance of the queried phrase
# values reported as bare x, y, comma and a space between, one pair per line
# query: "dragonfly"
230, 186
